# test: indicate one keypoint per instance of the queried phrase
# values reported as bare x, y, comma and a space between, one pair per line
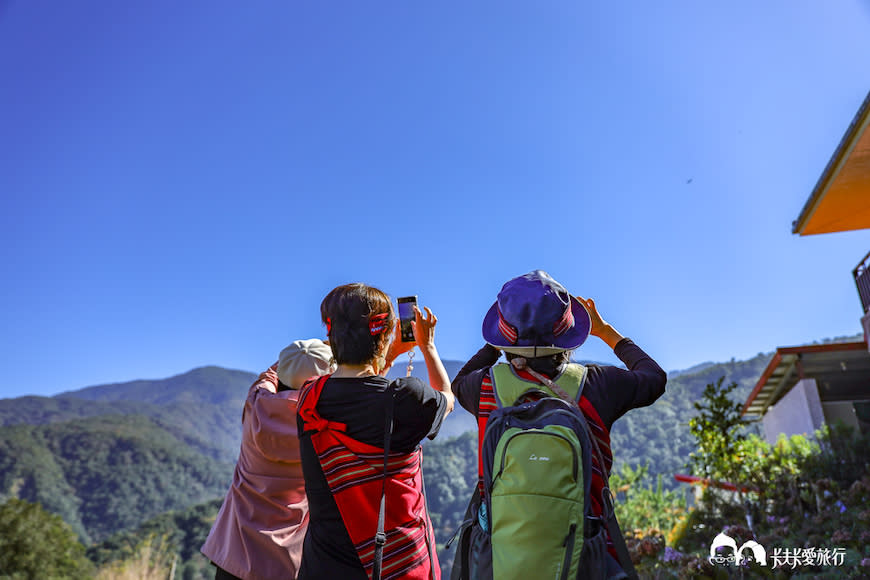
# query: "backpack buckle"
594, 524
606, 503
380, 539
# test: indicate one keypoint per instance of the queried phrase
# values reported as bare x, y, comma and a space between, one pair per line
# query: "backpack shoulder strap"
380, 536
576, 374
509, 386
605, 459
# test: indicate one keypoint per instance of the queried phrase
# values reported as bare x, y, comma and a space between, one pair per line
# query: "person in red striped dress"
343, 419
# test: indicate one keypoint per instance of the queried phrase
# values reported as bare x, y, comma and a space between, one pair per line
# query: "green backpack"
535, 518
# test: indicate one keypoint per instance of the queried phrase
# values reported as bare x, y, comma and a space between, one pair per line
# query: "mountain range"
110, 458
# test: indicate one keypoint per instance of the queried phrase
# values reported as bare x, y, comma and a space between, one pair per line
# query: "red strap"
486, 405
309, 395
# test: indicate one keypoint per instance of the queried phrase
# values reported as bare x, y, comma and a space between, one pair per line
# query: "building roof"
841, 371
841, 199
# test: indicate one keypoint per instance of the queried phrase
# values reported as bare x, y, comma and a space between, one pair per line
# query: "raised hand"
397, 347
424, 327
424, 334
600, 328
598, 322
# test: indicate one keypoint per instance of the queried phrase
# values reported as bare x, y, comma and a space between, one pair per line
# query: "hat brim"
569, 340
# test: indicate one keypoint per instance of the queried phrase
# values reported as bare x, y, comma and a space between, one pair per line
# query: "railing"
861, 274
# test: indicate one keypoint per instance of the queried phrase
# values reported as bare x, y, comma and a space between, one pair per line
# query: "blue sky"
182, 182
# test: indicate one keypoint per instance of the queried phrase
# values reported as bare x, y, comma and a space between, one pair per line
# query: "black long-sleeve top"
611, 390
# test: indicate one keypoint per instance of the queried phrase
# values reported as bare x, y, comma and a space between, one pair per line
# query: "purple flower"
672, 555
771, 519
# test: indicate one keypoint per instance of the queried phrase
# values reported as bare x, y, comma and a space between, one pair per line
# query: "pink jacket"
259, 530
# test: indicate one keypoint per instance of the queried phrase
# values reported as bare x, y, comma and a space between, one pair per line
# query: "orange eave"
841, 199
782, 351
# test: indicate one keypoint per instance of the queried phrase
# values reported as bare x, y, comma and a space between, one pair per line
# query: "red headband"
378, 323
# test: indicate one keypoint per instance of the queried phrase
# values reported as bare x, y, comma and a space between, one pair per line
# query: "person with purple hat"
537, 323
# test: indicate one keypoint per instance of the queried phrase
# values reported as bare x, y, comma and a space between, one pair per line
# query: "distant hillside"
691, 370
457, 422
202, 408
109, 457
212, 385
105, 474
33, 410
659, 434
400, 368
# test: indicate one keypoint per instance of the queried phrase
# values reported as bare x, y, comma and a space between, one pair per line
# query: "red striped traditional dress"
354, 472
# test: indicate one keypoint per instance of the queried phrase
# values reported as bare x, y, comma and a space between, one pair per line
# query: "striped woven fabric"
486, 407
406, 549
343, 468
599, 480
354, 472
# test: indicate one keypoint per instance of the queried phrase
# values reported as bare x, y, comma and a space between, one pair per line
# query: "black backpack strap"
461, 563
619, 543
580, 388
609, 514
380, 536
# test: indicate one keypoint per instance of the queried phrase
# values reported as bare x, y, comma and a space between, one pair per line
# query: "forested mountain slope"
105, 474
659, 434
108, 458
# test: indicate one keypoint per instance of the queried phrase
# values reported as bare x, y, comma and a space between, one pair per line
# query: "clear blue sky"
182, 182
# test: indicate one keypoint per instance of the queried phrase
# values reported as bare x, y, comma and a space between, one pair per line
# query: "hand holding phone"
407, 305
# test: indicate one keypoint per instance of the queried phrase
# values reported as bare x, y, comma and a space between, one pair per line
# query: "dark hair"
549, 366
346, 311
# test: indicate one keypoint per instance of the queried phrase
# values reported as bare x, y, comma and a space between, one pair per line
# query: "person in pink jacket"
261, 525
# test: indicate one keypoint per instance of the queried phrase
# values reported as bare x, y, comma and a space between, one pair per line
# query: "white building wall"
798, 412
841, 411
865, 324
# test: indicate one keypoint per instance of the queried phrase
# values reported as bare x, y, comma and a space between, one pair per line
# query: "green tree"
641, 508
717, 430
37, 545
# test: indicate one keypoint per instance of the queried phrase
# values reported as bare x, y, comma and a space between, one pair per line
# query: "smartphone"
406, 315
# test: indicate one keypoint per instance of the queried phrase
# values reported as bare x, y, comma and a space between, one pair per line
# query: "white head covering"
302, 360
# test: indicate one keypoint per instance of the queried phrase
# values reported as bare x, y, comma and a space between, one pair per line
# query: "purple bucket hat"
536, 316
